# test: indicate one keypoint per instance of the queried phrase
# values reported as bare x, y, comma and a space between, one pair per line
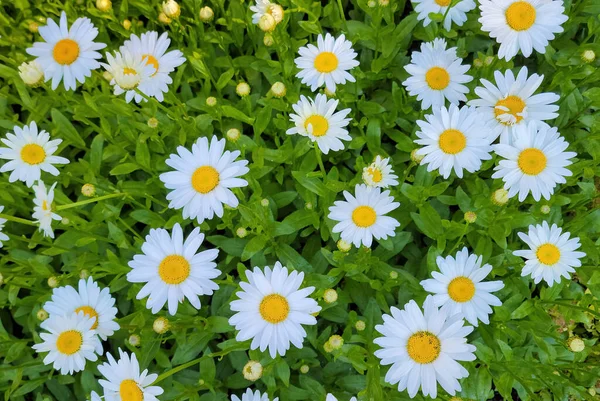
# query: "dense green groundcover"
522, 354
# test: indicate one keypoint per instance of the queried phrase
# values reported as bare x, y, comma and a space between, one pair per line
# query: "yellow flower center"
319, 124
45, 205
376, 175
174, 269
437, 78
520, 15
129, 71
33, 154
274, 308
151, 60
326, 62
205, 179
532, 161
443, 3
461, 289
548, 254
423, 347
90, 312
452, 141
130, 391
69, 342
364, 216
515, 106
65, 51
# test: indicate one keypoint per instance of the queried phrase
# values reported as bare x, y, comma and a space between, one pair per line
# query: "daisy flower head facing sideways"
29, 153
536, 162
379, 173
551, 255
458, 287
173, 269
362, 217
437, 74
424, 348
69, 341
265, 7
124, 382
42, 209
130, 71
153, 50
327, 63
511, 102
318, 120
522, 25
453, 139
457, 13
272, 309
252, 396
203, 178
3, 237
67, 55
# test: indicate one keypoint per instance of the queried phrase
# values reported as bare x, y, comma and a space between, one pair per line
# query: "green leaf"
65, 129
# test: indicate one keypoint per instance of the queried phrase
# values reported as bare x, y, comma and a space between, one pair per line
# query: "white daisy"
535, 162
457, 13
67, 54
95, 303
250, 396
30, 153
362, 217
457, 288
70, 341
327, 63
331, 397
437, 74
522, 24
124, 382
379, 173
453, 139
153, 49
42, 211
203, 177
272, 309
423, 348
511, 102
130, 72
317, 120
263, 7
173, 269
3, 237
551, 254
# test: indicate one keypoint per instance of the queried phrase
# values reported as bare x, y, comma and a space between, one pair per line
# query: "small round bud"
163, 19
211, 101
304, 369
576, 344
33, 27
330, 296
152, 122
329, 93
253, 371
545, 209
42, 315
415, 156
343, 245
135, 340
53, 282
336, 341
588, 56
470, 217
84, 274
241, 232
384, 3
268, 40
500, 197
371, 3
242, 89
477, 63
488, 60
308, 206
65, 221
107, 76
41, 19
88, 190
127, 24
360, 325
103, 5
233, 134
171, 9
277, 12
31, 73
267, 23
278, 89
393, 275
206, 14
327, 347
161, 325
201, 382
592, 391
264, 202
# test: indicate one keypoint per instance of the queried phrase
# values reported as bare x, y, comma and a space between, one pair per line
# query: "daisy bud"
104, 5
330, 296
308, 206
360, 325
329, 93
277, 12
343, 245
477, 63
88, 190
126, 24
415, 157
233, 134
576, 344
470, 217
371, 3
33, 27
489, 60
171, 8
592, 391
135, 340
500, 197
163, 19
327, 347
304, 369
242, 89
41, 19
241, 232
384, 3
545, 209
42, 315
53, 282
588, 56
31, 73
161, 325
206, 14
65, 221
268, 40
211, 101
393, 275
336, 341
267, 23
201, 382
264, 202
278, 89
253, 371
84, 274
107, 76
152, 122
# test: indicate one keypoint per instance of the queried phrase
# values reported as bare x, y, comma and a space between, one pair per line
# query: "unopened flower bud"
84, 274
171, 9
545, 209
161, 325
42, 315
470, 217
360, 325
152, 122
135, 340
33, 27
588, 56
336, 341
127, 24
242, 89
343, 245
576, 344
264, 202
31, 73
163, 19
103, 5
252, 371
88, 190
304, 369
415, 156
500, 197
278, 89
330, 296
268, 40
206, 14
233, 134
53, 282
267, 23
241, 232
211, 101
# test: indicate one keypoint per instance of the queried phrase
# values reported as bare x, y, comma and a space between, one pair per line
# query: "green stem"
85, 202
17, 219
568, 305
341, 10
320, 161
177, 369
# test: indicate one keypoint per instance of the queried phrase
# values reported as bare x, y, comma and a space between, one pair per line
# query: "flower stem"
17, 219
177, 369
85, 202
320, 161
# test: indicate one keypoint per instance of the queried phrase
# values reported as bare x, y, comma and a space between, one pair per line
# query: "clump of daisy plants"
274, 201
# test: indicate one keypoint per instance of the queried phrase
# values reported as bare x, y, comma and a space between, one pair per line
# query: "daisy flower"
67, 55
522, 24
327, 63
124, 380
250, 396
458, 288
362, 217
535, 162
379, 173
203, 177
331, 397
453, 139
551, 254
437, 74
91, 300
511, 102
173, 269
70, 341
272, 309
3, 237
264, 7
457, 13
42, 211
153, 50
317, 120
424, 348
30, 153
130, 72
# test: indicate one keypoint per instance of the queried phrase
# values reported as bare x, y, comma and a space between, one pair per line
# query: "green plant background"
522, 353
